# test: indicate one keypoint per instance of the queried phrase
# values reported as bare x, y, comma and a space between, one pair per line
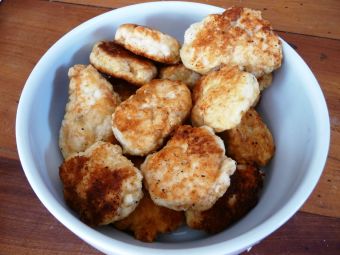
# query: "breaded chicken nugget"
149, 220
179, 73
100, 184
190, 172
250, 142
240, 198
143, 121
222, 97
265, 81
88, 113
239, 36
114, 60
149, 42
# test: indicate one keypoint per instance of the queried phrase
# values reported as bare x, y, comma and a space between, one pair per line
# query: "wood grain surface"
29, 28
319, 18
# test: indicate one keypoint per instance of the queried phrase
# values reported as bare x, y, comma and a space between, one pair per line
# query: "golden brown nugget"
190, 172
240, 198
179, 73
112, 59
265, 81
222, 97
251, 142
88, 112
100, 184
238, 36
149, 42
142, 122
149, 220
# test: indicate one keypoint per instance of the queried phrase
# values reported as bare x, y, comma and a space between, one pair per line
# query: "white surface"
293, 107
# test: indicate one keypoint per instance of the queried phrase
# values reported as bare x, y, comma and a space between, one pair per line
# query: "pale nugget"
114, 60
179, 73
143, 121
250, 142
240, 198
100, 184
88, 113
222, 97
149, 42
239, 36
190, 172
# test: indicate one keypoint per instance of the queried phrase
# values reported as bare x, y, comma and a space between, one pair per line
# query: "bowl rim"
102, 242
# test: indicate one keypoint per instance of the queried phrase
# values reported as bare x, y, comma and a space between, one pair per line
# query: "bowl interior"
293, 108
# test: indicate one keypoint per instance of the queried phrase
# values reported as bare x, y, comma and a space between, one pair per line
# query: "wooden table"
29, 28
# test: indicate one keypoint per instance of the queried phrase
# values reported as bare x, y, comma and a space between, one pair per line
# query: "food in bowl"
144, 120
190, 172
238, 36
241, 196
222, 97
88, 113
179, 73
294, 99
148, 42
100, 184
112, 59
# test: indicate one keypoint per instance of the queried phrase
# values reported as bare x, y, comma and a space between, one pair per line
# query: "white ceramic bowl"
293, 107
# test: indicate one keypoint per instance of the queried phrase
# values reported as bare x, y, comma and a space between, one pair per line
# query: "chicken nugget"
142, 122
88, 112
190, 172
240, 198
251, 142
149, 43
222, 97
149, 220
265, 81
100, 184
238, 36
112, 59
179, 73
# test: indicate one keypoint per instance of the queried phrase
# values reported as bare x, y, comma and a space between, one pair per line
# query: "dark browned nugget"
123, 88
239, 199
100, 184
149, 220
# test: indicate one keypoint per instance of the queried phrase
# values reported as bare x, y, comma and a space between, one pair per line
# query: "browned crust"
240, 198
197, 143
251, 142
115, 50
101, 195
149, 220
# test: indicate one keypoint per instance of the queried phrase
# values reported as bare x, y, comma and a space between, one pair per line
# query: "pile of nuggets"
156, 133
